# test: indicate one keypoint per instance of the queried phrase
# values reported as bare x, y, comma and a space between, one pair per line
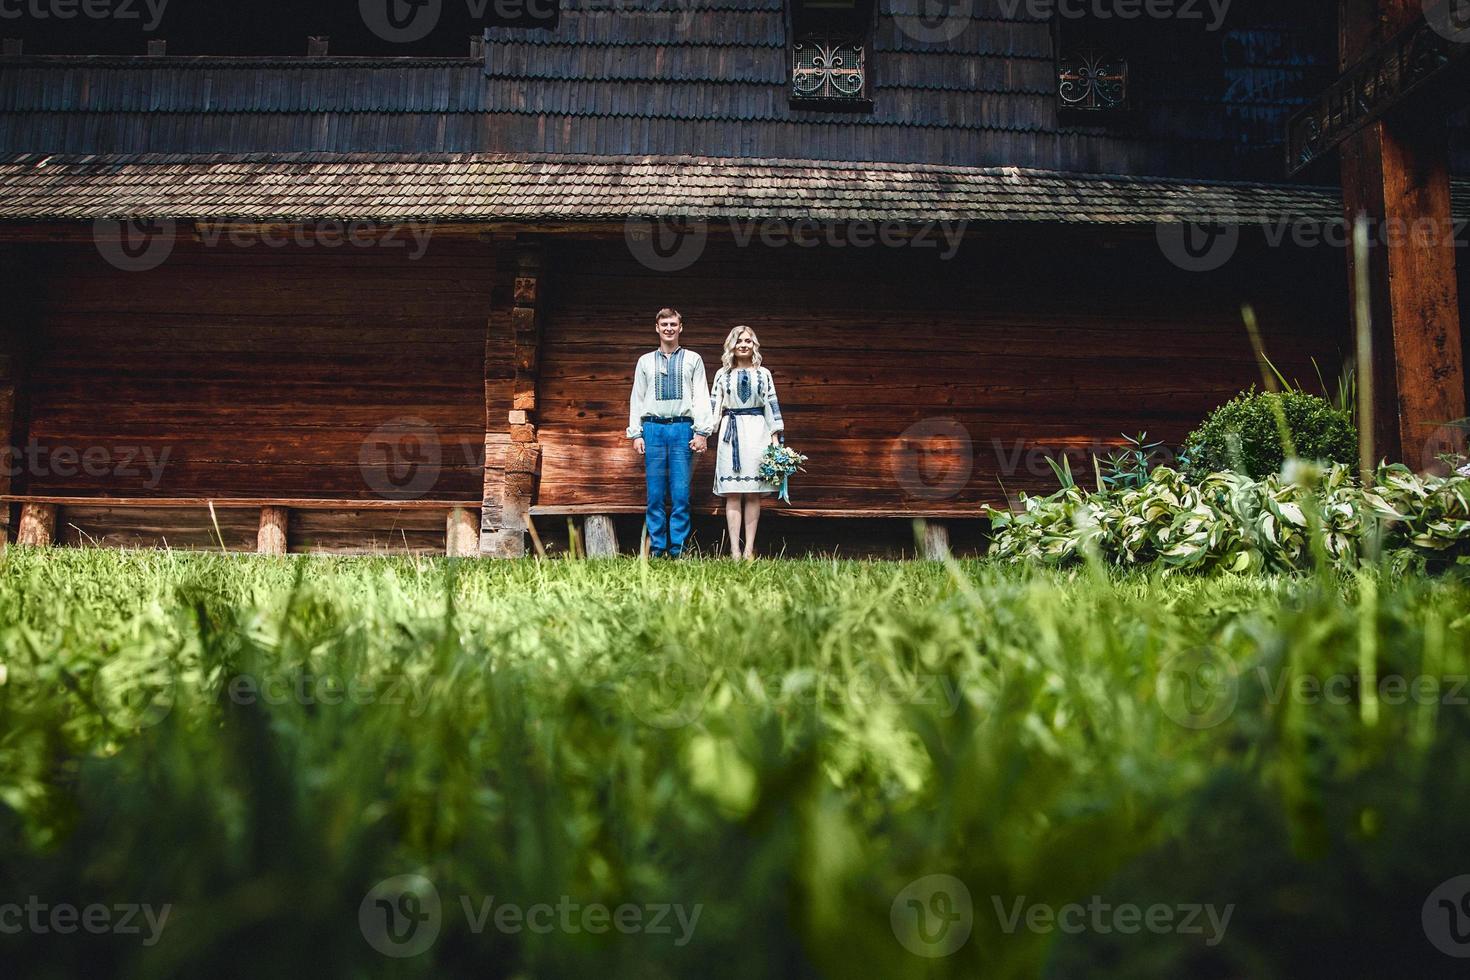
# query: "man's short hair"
665, 313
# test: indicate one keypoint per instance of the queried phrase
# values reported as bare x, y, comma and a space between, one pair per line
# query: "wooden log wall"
918, 385
291, 371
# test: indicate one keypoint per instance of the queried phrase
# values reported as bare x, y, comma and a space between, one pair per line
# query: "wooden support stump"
271, 538
461, 533
600, 537
37, 525
935, 541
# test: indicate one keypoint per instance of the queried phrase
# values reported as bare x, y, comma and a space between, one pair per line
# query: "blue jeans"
668, 463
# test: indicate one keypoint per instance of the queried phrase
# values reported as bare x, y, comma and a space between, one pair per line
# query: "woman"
748, 418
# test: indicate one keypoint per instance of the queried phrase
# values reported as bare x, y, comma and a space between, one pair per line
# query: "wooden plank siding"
1026, 343
264, 372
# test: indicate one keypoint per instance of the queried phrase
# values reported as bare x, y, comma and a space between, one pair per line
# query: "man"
669, 418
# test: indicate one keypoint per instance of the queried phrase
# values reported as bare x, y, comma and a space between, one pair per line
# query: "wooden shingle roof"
560, 188
710, 77
964, 83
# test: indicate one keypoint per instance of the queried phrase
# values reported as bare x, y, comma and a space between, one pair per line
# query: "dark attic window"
830, 41
1091, 70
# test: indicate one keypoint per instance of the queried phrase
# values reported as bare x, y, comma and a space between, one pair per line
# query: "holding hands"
699, 444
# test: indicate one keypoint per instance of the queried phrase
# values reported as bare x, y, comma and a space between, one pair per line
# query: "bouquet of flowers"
778, 463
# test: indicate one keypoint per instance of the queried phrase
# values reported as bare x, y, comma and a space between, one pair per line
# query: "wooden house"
341, 304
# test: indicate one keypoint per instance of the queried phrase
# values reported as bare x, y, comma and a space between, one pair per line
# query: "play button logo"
1449, 18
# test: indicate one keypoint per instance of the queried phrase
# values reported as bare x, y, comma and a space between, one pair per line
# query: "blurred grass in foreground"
786, 746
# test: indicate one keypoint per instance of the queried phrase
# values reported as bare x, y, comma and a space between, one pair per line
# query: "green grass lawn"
307, 767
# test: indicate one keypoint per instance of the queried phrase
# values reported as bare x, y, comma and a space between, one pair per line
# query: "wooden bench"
38, 517
601, 541
461, 530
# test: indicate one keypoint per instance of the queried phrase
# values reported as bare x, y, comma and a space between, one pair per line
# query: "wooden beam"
506, 510
242, 503
1395, 171
9, 430
1420, 66
271, 538
37, 526
780, 510
17, 326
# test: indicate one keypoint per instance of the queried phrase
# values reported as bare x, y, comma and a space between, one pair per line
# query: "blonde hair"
667, 312
727, 358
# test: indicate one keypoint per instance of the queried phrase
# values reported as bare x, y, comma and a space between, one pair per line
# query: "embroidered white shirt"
670, 385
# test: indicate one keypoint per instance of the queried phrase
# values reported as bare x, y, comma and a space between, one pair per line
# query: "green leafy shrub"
1244, 434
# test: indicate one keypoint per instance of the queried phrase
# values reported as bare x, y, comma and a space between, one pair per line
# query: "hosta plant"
1229, 521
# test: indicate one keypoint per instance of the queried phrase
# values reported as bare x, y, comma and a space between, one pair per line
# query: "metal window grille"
1092, 80
827, 67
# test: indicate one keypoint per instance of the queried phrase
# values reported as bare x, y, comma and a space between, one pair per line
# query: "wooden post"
10, 450
271, 538
505, 518
1396, 171
461, 533
17, 332
601, 537
37, 525
935, 541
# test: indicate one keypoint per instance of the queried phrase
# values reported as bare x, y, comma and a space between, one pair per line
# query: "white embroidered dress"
744, 401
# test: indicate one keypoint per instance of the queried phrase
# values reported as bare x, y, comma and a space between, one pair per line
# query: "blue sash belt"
732, 432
